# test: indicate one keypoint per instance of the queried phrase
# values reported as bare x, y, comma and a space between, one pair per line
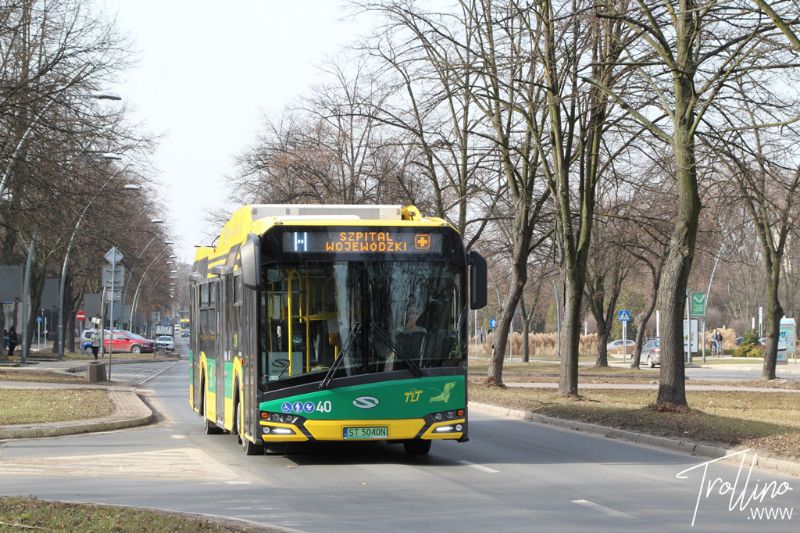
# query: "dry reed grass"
541, 345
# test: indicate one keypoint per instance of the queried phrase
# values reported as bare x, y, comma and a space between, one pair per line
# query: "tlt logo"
413, 395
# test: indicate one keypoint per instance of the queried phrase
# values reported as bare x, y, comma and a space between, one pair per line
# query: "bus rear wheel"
417, 447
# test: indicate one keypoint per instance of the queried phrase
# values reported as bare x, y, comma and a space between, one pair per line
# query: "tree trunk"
680, 252
570, 331
773, 325
603, 333
518, 278
651, 305
672, 298
38, 276
526, 328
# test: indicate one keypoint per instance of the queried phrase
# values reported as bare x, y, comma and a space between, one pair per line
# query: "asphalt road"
511, 476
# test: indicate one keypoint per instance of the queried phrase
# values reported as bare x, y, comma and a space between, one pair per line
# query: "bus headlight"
281, 418
445, 415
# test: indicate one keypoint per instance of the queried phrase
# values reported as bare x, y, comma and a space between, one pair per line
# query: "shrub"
749, 350
750, 337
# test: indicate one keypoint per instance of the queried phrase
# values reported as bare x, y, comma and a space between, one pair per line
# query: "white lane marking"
238, 483
482, 468
602, 508
179, 437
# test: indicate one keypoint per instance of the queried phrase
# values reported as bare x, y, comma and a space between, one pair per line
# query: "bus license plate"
380, 432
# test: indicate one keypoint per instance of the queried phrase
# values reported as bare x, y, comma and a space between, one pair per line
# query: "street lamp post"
62, 282
130, 271
144, 275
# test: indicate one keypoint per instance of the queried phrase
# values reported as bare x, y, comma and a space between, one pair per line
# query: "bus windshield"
378, 316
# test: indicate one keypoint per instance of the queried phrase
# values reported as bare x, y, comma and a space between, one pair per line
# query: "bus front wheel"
417, 447
249, 448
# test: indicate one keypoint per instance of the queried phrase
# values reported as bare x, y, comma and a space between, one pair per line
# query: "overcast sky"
207, 73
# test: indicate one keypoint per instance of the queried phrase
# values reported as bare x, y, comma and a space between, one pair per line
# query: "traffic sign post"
624, 316
113, 256
80, 316
697, 309
117, 276
698, 304
39, 320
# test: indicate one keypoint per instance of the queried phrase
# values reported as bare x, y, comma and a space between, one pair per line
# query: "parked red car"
128, 342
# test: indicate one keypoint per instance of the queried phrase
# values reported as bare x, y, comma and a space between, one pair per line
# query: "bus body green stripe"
211, 375
408, 398
229, 379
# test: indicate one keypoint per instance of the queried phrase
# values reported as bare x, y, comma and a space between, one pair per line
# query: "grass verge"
22, 514
32, 406
767, 422
728, 360
41, 376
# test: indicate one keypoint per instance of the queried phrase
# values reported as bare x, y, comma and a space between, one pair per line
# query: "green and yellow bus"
333, 323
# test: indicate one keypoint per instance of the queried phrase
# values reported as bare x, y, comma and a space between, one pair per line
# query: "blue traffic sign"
40, 319
492, 323
624, 315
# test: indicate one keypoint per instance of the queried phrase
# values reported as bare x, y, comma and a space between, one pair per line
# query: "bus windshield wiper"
412, 365
354, 329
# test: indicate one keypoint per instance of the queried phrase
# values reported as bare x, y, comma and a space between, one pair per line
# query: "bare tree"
428, 58
686, 56
765, 166
606, 270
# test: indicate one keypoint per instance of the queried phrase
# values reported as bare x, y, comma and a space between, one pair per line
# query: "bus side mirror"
477, 280
250, 254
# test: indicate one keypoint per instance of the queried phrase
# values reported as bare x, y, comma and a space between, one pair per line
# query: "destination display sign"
362, 242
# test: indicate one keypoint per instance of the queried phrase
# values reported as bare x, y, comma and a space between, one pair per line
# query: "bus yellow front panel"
334, 429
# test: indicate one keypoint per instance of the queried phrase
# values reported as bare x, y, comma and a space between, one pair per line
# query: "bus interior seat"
438, 345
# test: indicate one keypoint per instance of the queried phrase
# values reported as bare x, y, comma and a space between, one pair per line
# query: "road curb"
129, 411
781, 466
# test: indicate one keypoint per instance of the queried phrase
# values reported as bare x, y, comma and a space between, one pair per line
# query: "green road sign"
697, 304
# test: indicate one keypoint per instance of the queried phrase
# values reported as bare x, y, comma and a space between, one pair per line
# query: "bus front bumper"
302, 430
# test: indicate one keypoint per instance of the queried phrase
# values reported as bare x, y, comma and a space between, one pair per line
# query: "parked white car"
616, 346
165, 342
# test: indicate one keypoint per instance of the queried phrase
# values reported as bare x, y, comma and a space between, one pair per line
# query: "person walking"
95, 343
12, 340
